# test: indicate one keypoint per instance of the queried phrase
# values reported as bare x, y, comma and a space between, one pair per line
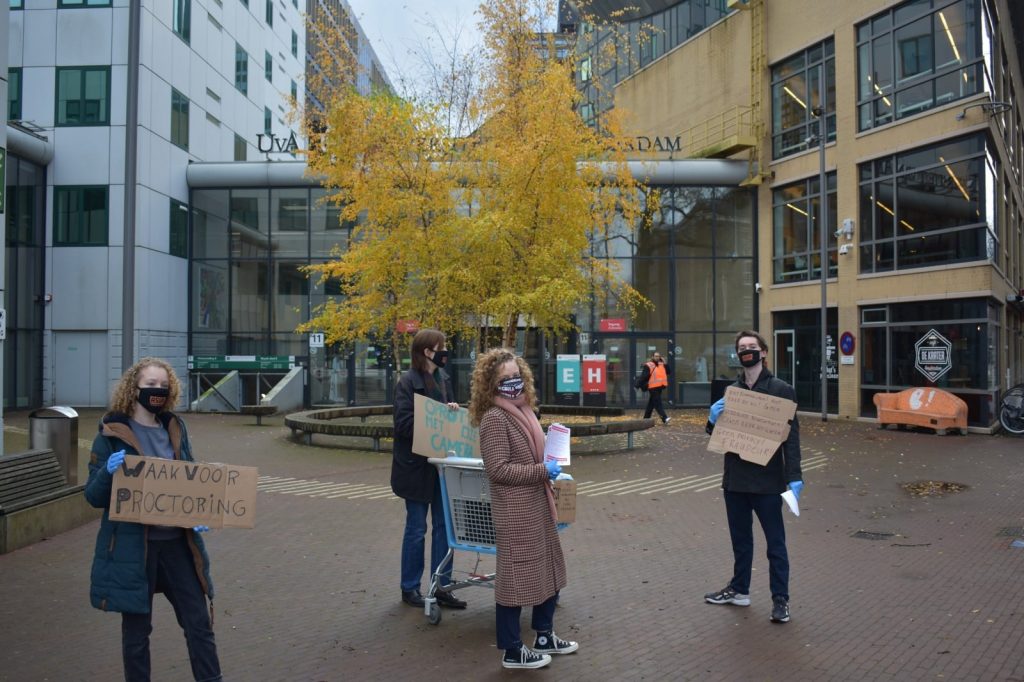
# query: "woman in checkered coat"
530, 565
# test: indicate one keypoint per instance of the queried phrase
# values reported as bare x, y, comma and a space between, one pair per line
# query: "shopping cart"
466, 497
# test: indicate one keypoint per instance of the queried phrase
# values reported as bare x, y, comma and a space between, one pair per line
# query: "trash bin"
56, 428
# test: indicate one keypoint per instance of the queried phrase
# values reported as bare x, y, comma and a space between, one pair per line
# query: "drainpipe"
131, 140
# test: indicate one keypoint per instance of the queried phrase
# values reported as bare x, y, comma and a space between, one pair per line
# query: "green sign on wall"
3, 176
229, 362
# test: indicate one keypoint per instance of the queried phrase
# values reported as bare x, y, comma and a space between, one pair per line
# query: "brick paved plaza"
930, 588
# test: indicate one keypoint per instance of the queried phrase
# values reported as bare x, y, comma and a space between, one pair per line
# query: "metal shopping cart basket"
466, 499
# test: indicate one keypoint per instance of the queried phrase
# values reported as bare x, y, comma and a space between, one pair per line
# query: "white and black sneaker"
550, 643
780, 610
727, 596
524, 657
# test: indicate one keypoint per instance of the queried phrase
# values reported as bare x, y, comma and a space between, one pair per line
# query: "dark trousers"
414, 543
654, 403
171, 570
740, 508
507, 622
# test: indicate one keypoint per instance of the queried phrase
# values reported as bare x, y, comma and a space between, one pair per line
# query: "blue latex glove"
114, 461
796, 487
716, 410
553, 468
200, 529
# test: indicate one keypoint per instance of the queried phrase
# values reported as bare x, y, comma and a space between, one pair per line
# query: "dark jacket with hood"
741, 476
412, 476
119, 581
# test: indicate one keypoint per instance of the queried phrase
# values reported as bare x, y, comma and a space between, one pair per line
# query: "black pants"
507, 621
740, 509
171, 570
654, 403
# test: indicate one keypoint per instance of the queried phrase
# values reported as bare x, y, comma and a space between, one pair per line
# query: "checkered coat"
530, 565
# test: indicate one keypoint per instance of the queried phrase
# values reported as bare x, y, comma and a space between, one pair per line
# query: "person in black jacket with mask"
415, 479
750, 489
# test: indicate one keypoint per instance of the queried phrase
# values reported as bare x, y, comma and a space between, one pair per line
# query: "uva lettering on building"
275, 144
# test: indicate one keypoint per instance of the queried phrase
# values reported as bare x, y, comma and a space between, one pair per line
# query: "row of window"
934, 205
81, 217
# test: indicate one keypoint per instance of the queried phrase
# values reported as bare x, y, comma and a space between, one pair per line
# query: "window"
14, 94
268, 119
83, 95
181, 21
240, 148
241, 69
796, 85
80, 216
796, 254
295, 90
917, 56
585, 69
928, 206
270, 12
268, 67
245, 2
17, 4
83, 3
295, 44
179, 119
178, 241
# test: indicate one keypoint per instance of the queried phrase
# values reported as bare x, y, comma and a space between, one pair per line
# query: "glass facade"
795, 356
915, 56
24, 283
888, 355
695, 264
933, 205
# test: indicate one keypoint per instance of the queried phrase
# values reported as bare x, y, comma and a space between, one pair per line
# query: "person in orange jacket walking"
656, 377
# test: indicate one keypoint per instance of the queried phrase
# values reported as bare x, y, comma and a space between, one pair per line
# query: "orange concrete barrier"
931, 408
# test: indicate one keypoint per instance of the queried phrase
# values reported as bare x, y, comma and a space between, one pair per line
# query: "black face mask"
511, 388
153, 399
440, 358
749, 357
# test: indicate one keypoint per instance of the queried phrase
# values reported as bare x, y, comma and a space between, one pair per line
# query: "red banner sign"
407, 326
595, 374
613, 324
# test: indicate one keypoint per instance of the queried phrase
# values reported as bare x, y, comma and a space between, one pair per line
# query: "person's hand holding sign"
114, 461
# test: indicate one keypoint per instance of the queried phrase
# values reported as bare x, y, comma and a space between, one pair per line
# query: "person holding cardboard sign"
530, 563
413, 478
752, 488
132, 561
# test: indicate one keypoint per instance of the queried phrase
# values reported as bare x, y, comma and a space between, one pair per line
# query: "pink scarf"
527, 420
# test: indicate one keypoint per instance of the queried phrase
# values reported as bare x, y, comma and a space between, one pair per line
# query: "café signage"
933, 355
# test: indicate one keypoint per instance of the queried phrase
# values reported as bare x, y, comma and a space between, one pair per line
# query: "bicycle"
1011, 410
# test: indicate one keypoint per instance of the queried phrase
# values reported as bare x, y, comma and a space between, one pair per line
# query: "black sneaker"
550, 643
524, 657
780, 610
727, 596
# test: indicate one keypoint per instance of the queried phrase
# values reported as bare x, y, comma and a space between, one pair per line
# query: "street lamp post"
823, 227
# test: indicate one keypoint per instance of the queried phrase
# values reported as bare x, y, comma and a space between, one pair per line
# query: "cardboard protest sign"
170, 492
753, 425
437, 430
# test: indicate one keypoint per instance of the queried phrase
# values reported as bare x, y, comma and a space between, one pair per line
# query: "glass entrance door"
784, 363
619, 384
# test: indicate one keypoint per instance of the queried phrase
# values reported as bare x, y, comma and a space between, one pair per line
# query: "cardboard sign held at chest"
565, 500
438, 430
753, 425
170, 492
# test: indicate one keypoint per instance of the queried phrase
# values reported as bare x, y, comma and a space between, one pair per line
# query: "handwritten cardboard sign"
438, 431
171, 492
753, 425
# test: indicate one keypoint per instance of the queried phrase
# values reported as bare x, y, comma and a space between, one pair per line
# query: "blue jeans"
172, 570
507, 622
413, 540
740, 508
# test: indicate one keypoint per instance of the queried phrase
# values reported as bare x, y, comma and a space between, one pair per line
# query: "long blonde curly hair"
484, 385
126, 392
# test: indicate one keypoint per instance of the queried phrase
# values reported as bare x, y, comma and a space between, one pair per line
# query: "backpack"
641, 381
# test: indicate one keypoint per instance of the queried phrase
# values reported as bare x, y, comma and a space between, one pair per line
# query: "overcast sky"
395, 27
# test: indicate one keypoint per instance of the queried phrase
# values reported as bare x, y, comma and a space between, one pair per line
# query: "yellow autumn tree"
492, 230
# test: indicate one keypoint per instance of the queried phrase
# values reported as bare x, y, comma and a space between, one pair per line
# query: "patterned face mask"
511, 388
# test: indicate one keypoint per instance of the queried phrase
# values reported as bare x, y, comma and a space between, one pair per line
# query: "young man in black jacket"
750, 489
